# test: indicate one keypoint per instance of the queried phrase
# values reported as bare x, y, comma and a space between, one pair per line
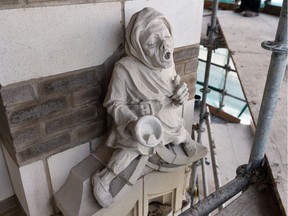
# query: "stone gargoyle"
143, 95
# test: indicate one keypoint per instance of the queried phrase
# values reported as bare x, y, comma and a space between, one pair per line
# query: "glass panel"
219, 56
231, 64
233, 86
277, 3
233, 106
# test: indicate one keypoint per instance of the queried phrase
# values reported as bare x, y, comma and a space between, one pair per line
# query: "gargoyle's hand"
181, 94
145, 109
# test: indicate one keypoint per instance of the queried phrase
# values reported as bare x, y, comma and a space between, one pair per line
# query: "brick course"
91, 131
46, 148
186, 64
67, 83
186, 53
11, 4
70, 120
44, 116
26, 135
37, 111
87, 95
18, 94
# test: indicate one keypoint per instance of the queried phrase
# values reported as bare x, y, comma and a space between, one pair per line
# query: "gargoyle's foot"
101, 191
189, 147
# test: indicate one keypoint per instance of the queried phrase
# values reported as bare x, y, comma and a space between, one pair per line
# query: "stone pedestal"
132, 190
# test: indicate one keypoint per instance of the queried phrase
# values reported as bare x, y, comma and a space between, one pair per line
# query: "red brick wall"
48, 115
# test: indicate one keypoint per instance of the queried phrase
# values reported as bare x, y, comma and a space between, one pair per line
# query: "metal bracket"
227, 67
208, 90
211, 29
245, 169
272, 46
196, 127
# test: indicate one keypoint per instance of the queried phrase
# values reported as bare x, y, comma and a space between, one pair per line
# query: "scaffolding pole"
214, 161
224, 90
211, 45
272, 88
223, 194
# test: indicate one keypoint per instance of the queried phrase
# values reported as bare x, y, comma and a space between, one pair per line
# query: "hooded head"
149, 39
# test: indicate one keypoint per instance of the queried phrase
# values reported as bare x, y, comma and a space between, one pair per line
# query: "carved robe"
133, 84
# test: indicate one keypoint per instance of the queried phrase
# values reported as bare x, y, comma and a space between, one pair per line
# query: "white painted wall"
43, 41
6, 189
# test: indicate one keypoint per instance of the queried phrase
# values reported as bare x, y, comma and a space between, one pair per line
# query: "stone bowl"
149, 131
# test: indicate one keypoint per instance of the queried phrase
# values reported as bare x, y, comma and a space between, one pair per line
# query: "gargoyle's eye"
150, 45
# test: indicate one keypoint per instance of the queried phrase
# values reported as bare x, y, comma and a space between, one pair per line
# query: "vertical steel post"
210, 47
272, 88
215, 166
227, 69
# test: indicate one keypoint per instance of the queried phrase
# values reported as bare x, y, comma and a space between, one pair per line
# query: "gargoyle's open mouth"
167, 55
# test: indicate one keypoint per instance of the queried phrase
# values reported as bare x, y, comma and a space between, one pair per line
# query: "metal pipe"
216, 199
224, 91
204, 178
272, 88
193, 179
210, 47
214, 161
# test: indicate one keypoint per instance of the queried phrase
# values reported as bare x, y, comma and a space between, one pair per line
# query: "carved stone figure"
142, 98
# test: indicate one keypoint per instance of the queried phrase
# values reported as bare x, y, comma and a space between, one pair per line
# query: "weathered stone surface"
28, 134
70, 120
34, 112
192, 91
29, 106
180, 68
9, 2
5, 134
190, 79
91, 131
47, 147
87, 95
18, 94
191, 66
184, 53
68, 82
